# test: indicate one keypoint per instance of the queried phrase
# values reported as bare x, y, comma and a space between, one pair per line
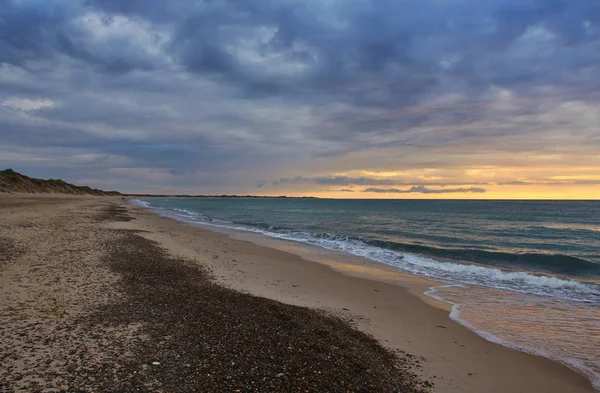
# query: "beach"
95, 291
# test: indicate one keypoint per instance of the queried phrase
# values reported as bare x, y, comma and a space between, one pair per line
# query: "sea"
525, 274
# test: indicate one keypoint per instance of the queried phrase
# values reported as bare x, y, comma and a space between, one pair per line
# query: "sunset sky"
332, 98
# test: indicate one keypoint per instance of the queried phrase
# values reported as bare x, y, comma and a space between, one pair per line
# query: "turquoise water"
523, 273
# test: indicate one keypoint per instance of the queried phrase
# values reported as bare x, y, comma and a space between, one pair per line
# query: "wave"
411, 258
139, 202
551, 263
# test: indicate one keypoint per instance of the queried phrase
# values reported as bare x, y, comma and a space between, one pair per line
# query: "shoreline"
99, 295
427, 289
469, 374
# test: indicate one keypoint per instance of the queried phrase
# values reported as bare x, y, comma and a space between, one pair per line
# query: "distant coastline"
14, 182
217, 196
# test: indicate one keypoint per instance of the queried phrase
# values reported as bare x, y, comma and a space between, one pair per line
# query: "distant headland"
15, 182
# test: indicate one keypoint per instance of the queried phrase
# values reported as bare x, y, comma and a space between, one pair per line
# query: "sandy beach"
98, 295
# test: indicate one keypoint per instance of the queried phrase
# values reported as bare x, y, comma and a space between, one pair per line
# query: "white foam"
453, 272
139, 202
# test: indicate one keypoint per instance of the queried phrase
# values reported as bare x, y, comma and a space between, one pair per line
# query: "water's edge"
454, 314
432, 292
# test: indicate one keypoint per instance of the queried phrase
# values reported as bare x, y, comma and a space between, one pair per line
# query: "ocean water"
522, 273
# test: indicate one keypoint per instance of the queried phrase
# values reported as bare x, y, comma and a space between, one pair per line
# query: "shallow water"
565, 331
523, 273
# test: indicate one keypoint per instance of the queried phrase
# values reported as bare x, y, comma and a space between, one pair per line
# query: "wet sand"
93, 295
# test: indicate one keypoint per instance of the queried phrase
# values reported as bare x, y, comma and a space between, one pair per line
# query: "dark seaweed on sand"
114, 212
198, 336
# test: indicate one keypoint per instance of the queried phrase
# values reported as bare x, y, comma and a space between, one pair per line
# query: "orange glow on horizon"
547, 192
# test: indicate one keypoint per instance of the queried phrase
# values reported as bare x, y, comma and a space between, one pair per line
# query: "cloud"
25, 104
289, 47
344, 180
425, 190
219, 95
515, 183
176, 172
365, 181
542, 182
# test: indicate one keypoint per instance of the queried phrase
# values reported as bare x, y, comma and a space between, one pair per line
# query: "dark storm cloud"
409, 45
401, 43
255, 89
33, 31
425, 190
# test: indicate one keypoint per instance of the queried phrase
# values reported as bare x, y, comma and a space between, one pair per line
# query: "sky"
331, 98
